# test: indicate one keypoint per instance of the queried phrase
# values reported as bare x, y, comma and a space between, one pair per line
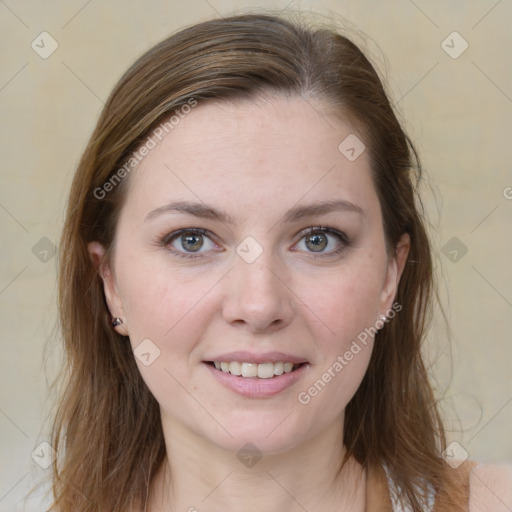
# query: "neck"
198, 475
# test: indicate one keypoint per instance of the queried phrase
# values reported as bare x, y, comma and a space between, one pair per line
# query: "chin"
266, 435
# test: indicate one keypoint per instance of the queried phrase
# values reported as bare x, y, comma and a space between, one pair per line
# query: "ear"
102, 266
396, 265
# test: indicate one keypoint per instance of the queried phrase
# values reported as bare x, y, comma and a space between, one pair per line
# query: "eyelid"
324, 229
170, 237
344, 240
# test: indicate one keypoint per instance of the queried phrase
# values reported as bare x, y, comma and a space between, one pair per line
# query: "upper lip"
265, 357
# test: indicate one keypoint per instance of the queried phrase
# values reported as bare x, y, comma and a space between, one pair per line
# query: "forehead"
237, 154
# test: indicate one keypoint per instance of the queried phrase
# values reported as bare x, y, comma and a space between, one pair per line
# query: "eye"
323, 241
186, 242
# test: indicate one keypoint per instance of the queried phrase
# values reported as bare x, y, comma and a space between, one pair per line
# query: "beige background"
458, 111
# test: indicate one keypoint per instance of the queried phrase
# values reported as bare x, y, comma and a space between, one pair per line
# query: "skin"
491, 488
255, 160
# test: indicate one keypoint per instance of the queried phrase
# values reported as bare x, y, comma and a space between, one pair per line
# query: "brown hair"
108, 421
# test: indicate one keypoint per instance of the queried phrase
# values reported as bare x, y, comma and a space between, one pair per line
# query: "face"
248, 237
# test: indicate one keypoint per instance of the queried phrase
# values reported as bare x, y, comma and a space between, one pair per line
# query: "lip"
254, 387
249, 357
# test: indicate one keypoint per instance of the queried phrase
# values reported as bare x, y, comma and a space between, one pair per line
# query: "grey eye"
323, 241
191, 242
316, 242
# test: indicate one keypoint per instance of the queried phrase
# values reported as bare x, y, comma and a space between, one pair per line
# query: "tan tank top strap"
455, 496
378, 498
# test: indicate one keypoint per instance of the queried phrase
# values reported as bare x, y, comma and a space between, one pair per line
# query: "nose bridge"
256, 295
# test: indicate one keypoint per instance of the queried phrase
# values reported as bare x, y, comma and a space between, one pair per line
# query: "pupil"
318, 241
192, 242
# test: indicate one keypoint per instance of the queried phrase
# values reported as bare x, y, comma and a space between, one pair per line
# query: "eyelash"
170, 237
342, 238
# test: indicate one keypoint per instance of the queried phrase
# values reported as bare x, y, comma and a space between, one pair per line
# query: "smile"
261, 370
256, 380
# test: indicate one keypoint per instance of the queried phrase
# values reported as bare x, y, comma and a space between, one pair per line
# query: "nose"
257, 297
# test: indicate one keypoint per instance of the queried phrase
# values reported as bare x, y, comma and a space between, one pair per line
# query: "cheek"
335, 384
172, 312
348, 309
347, 302
169, 308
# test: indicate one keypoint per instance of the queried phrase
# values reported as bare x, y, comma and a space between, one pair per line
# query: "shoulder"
490, 488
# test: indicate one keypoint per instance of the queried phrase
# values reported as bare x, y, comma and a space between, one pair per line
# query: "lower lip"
254, 387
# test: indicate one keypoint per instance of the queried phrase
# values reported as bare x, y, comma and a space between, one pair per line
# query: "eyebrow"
295, 214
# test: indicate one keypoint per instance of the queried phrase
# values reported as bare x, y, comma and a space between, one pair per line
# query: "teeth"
278, 369
262, 370
235, 368
248, 369
265, 370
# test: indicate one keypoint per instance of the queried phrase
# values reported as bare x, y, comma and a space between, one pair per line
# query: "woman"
245, 284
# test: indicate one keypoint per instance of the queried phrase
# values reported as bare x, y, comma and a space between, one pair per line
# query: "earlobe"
97, 255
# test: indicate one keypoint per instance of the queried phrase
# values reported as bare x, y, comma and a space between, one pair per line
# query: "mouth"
245, 370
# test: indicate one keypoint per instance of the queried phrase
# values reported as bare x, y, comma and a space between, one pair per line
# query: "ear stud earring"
382, 320
116, 321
